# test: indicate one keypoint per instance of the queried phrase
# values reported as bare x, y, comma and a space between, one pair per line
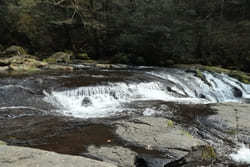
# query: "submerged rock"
86, 102
22, 157
237, 92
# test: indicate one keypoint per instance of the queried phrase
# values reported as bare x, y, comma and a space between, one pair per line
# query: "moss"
59, 57
2, 143
186, 133
208, 153
83, 56
170, 123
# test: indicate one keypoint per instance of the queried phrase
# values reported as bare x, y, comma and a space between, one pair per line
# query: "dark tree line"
145, 32
164, 32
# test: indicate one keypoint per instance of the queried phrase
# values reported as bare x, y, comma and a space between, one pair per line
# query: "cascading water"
215, 88
107, 100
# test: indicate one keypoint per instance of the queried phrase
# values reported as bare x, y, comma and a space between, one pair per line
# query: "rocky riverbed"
141, 117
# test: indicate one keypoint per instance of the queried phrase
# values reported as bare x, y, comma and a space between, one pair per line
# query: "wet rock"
202, 96
82, 56
116, 155
60, 57
103, 65
198, 156
60, 67
25, 64
22, 157
151, 161
86, 102
237, 92
157, 133
119, 66
140, 162
21, 64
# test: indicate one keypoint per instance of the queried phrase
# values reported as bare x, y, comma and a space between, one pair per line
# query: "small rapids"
242, 155
106, 100
172, 85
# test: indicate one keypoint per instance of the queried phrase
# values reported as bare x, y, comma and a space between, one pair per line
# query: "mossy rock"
21, 64
14, 50
60, 67
170, 123
59, 57
2, 143
82, 56
208, 153
196, 68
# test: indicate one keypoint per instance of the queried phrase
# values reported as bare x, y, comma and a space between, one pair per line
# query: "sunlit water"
242, 155
172, 86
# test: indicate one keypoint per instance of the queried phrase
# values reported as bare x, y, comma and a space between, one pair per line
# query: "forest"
138, 32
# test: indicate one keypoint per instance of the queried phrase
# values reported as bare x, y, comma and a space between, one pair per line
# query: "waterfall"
175, 86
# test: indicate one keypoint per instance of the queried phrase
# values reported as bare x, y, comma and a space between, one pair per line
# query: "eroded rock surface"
11, 156
157, 133
120, 156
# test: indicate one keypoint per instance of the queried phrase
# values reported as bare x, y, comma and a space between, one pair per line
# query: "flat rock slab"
230, 114
116, 155
233, 119
157, 134
11, 156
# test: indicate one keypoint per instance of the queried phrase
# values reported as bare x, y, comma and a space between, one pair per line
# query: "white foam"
106, 100
242, 155
150, 112
217, 88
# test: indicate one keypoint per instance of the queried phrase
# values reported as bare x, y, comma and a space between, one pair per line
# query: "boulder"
60, 57
11, 156
21, 64
4, 69
14, 51
86, 102
237, 92
82, 56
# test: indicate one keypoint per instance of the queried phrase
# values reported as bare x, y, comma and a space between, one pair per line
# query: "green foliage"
208, 153
155, 32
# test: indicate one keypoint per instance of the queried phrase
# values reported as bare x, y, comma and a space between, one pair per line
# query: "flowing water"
61, 106
110, 98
